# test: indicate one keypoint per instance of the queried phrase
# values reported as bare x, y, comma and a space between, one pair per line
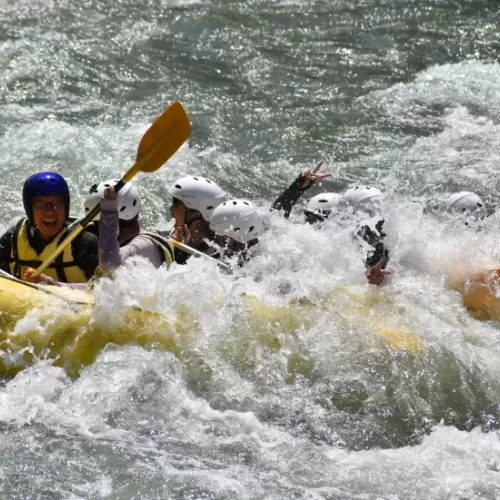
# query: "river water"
271, 396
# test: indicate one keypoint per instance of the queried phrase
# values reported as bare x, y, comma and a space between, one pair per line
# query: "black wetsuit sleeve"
6, 248
289, 197
85, 250
375, 240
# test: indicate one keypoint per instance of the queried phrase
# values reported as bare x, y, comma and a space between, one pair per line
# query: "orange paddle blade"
165, 136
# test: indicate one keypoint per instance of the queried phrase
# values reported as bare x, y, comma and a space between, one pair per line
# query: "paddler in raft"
361, 202
468, 207
237, 226
362, 206
306, 179
120, 234
25, 246
194, 199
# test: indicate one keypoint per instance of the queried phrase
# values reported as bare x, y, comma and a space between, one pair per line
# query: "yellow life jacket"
22, 256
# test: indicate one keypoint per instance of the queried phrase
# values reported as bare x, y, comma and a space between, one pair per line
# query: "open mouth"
50, 223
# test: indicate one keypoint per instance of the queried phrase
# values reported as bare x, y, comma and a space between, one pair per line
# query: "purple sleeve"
109, 247
143, 247
111, 256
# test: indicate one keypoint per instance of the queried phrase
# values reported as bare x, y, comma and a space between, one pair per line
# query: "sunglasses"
47, 206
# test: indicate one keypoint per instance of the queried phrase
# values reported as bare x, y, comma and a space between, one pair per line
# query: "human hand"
31, 277
309, 176
376, 274
181, 234
110, 193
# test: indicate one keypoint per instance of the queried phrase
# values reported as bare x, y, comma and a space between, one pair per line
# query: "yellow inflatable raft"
63, 325
481, 294
38, 322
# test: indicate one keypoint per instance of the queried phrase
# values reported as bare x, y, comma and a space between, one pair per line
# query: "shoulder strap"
15, 250
163, 243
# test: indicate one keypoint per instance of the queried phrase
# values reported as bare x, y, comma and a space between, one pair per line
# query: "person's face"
49, 215
178, 211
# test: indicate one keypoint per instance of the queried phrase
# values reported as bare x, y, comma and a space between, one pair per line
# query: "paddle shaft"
197, 253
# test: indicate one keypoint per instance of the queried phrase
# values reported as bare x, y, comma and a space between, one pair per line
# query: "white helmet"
129, 200
361, 198
323, 204
199, 194
237, 219
466, 203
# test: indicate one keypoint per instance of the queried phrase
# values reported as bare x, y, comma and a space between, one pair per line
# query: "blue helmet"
44, 184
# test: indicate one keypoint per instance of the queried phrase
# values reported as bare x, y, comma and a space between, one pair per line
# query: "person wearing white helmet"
362, 199
120, 234
194, 200
467, 205
286, 200
320, 207
363, 202
237, 225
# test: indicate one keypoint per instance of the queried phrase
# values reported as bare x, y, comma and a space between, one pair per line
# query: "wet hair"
128, 223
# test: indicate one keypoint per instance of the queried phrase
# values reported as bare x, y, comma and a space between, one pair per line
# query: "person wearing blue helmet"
34, 238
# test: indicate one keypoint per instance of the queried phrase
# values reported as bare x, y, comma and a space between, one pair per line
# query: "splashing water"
291, 378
